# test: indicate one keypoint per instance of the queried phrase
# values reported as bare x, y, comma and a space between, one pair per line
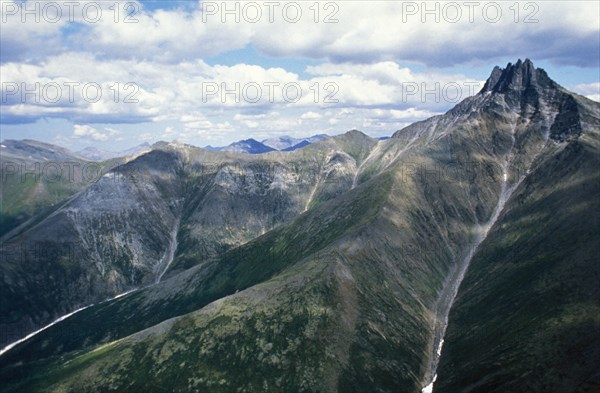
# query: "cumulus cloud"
310, 116
91, 90
23, 40
82, 131
441, 33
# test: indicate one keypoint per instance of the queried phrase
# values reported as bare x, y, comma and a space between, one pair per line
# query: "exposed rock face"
520, 77
529, 88
328, 268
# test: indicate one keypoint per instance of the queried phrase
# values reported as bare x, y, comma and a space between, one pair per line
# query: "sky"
114, 74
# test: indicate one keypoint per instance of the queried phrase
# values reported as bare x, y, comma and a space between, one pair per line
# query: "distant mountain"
284, 143
247, 146
281, 143
212, 148
95, 154
297, 146
28, 149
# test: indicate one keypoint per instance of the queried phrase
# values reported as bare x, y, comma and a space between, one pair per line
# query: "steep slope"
96, 245
526, 316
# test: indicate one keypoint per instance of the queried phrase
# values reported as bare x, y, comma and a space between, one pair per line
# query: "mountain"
34, 150
297, 146
281, 142
95, 154
465, 246
247, 146
544, 331
285, 143
212, 148
203, 203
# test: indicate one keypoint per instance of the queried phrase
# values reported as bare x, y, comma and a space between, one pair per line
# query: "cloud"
88, 90
82, 131
310, 116
169, 132
590, 90
27, 36
430, 33
443, 33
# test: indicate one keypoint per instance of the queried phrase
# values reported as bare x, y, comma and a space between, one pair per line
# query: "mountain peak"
517, 77
248, 146
356, 133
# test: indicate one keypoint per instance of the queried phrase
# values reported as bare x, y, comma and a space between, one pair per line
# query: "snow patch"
11, 346
167, 259
429, 388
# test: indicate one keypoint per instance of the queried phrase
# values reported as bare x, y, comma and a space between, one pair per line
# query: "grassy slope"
235, 344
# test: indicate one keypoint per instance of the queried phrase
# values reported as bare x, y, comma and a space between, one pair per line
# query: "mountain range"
459, 255
282, 143
36, 174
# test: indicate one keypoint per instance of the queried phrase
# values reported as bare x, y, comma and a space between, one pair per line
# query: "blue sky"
113, 77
